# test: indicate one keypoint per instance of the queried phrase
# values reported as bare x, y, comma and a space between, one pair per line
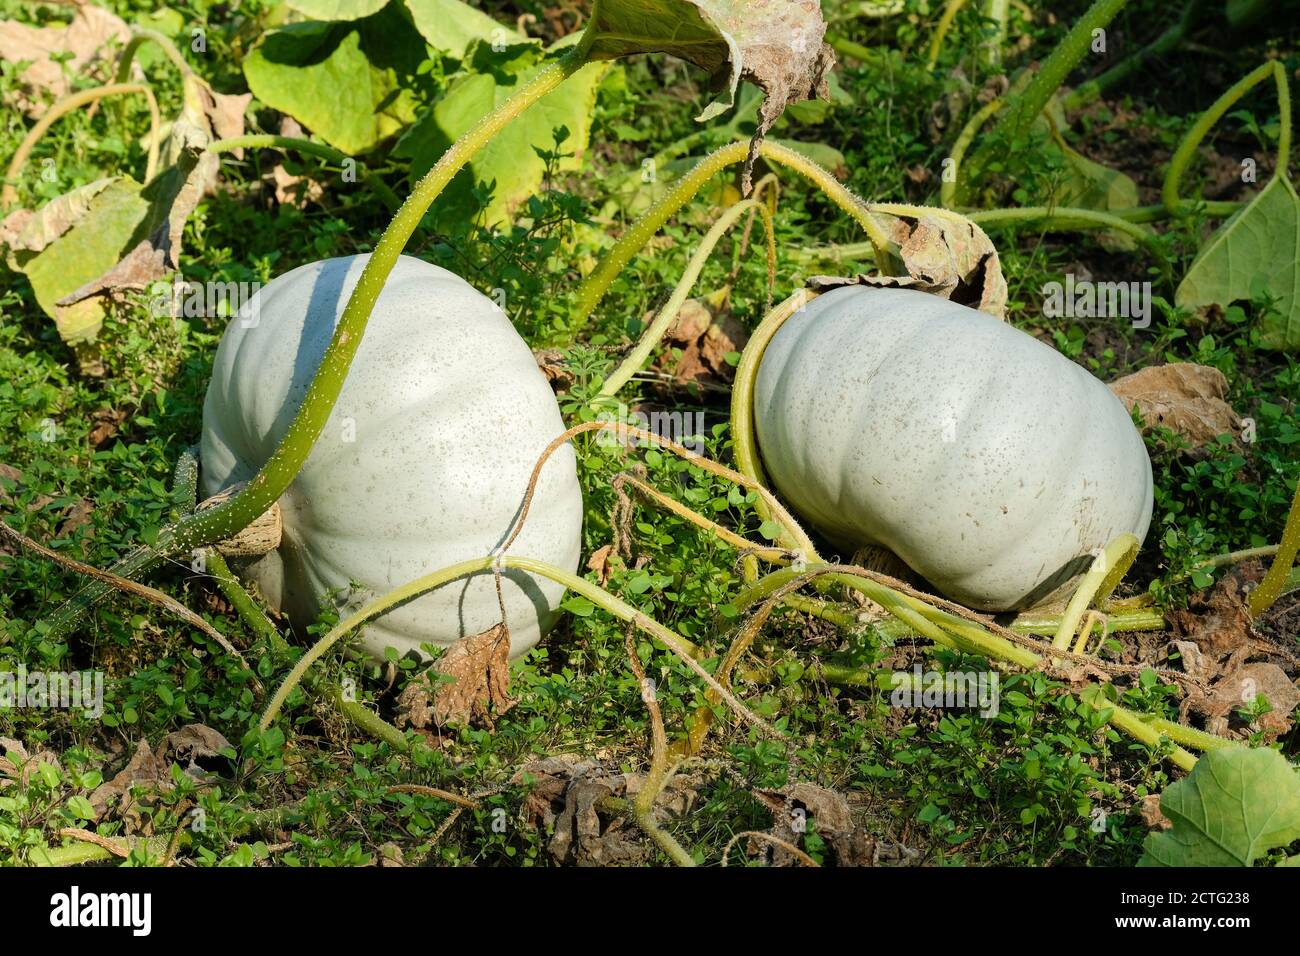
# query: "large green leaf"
451, 26
337, 9
1256, 251
511, 159
1234, 806
90, 240
354, 84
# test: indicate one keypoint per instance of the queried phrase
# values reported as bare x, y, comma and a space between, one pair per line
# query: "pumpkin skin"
987, 461
424, 460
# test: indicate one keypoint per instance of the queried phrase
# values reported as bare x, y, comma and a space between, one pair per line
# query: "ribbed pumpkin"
424, 460
987, 461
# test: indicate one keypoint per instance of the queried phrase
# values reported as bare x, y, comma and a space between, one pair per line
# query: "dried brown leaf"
1185, 398
953, 260
704, 342
792, 809
1151, 814
91, 37
479, 672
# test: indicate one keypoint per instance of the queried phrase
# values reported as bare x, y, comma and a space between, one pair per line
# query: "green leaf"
1253, 252
511, 159
352, 83
89, 238
80, 808
1235, 805
451, 26
337, 9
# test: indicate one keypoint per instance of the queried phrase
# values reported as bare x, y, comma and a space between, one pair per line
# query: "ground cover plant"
649, 195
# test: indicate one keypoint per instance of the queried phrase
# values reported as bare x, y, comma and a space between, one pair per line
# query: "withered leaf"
476, 672
1151, 814
1219, 622
1186, 398
33, 231
704, 342
91, 38
951, 259
793, 807
172, 196
566, 795
775, 44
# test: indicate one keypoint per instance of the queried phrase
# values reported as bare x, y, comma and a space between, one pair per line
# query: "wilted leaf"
33, 231
479, 672
566, 796
510, 160
776, 44
950, 259
171, 197
1151, 815
90, 243
297, 191
91, 37
1235, 805
1188, 399
1219, 622
150, 770
704, 345
352, 83
793, 808
1254, 252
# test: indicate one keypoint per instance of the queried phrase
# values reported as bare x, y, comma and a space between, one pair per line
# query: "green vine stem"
1144, 729
745, 447
611, 604
854, 50
269, 141
1068, 219
248, 610
668, 314
1107, 569
1016, 122
996, 12
594, 286
215, 524
1127, 619
141, 36
950, 11
1167, 41
1058, 219
948, 188
1270, 589
245, 607
725, 535
1182, 157
66, 105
